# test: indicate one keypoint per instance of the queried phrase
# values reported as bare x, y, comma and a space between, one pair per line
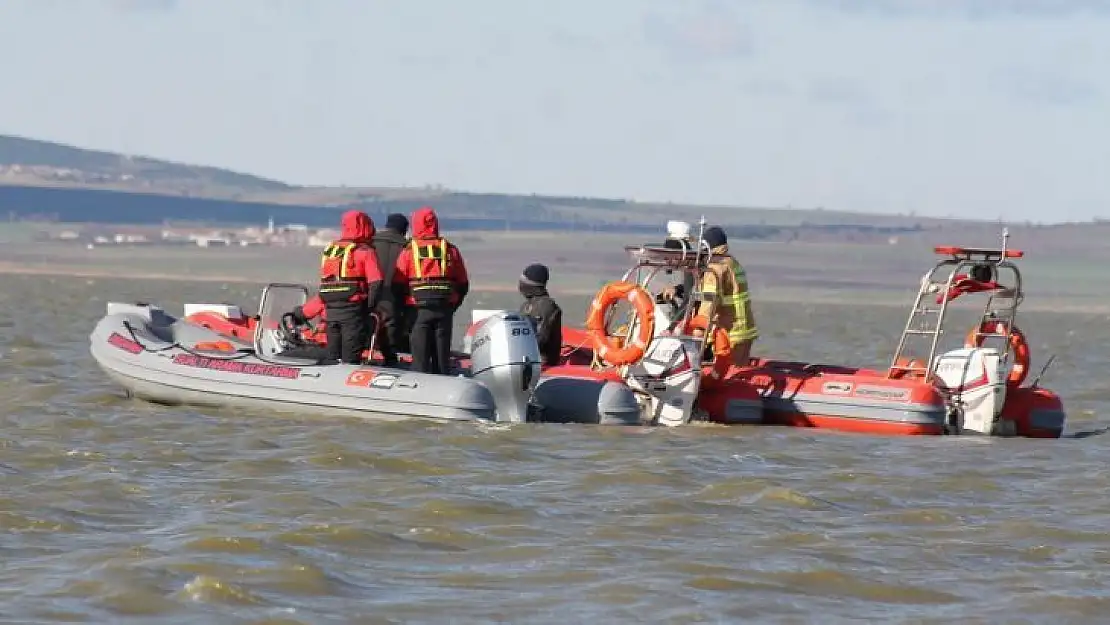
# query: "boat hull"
156, 359
148, 353
857, 400
867, 401
783, 393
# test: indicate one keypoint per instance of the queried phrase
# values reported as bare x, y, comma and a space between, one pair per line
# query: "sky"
977, 108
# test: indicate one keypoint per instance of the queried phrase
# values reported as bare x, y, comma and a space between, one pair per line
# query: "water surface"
115, 510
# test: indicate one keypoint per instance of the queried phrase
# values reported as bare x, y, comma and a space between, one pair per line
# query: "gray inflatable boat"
159, 358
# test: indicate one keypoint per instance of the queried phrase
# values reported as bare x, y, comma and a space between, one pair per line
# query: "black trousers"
392, 336
348, 326
431, 340
318, 353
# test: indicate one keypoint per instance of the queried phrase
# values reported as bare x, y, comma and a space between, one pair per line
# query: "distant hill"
42, 180
32, 160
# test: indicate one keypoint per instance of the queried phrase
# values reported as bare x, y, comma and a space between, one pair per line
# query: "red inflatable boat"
975, 388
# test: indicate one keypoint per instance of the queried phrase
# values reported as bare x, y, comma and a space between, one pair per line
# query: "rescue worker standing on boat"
431, 277
350, 286
388, 243
730, 307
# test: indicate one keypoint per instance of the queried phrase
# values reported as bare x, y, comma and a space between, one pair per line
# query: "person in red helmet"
431, 277
350, 286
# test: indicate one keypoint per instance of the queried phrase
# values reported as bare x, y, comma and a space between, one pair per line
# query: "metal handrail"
702, 258
965, 259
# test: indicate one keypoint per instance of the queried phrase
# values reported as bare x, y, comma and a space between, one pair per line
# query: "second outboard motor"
505, 357
974, 378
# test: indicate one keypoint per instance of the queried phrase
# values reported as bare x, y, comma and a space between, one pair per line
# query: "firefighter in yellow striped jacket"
730, 305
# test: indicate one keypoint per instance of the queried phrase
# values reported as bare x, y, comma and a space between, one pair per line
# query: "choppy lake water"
116, 511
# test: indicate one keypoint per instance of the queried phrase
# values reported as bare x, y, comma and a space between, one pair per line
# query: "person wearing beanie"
392, 318
544, 313
397, 223
730, 306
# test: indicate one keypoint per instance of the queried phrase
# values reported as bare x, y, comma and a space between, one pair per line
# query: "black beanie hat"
714, 237
535, 275
398, 222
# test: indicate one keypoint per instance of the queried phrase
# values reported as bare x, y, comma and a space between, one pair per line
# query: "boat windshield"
277, 300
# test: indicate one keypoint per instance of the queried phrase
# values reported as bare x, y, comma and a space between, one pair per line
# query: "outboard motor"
974, 379
505, 357
670, 375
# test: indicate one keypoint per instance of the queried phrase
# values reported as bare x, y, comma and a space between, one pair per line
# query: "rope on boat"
595, 362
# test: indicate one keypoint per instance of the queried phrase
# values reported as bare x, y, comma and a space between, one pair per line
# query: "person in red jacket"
431, 277
312, 309
311, 347
350, 286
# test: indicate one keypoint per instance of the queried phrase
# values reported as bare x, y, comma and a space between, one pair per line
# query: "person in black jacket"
545, 314
393, 335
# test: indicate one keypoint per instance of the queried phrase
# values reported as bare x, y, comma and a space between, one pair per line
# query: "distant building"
289, 235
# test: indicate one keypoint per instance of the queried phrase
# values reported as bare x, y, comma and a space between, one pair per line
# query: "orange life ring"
1018, 345
722, 347
612, 349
